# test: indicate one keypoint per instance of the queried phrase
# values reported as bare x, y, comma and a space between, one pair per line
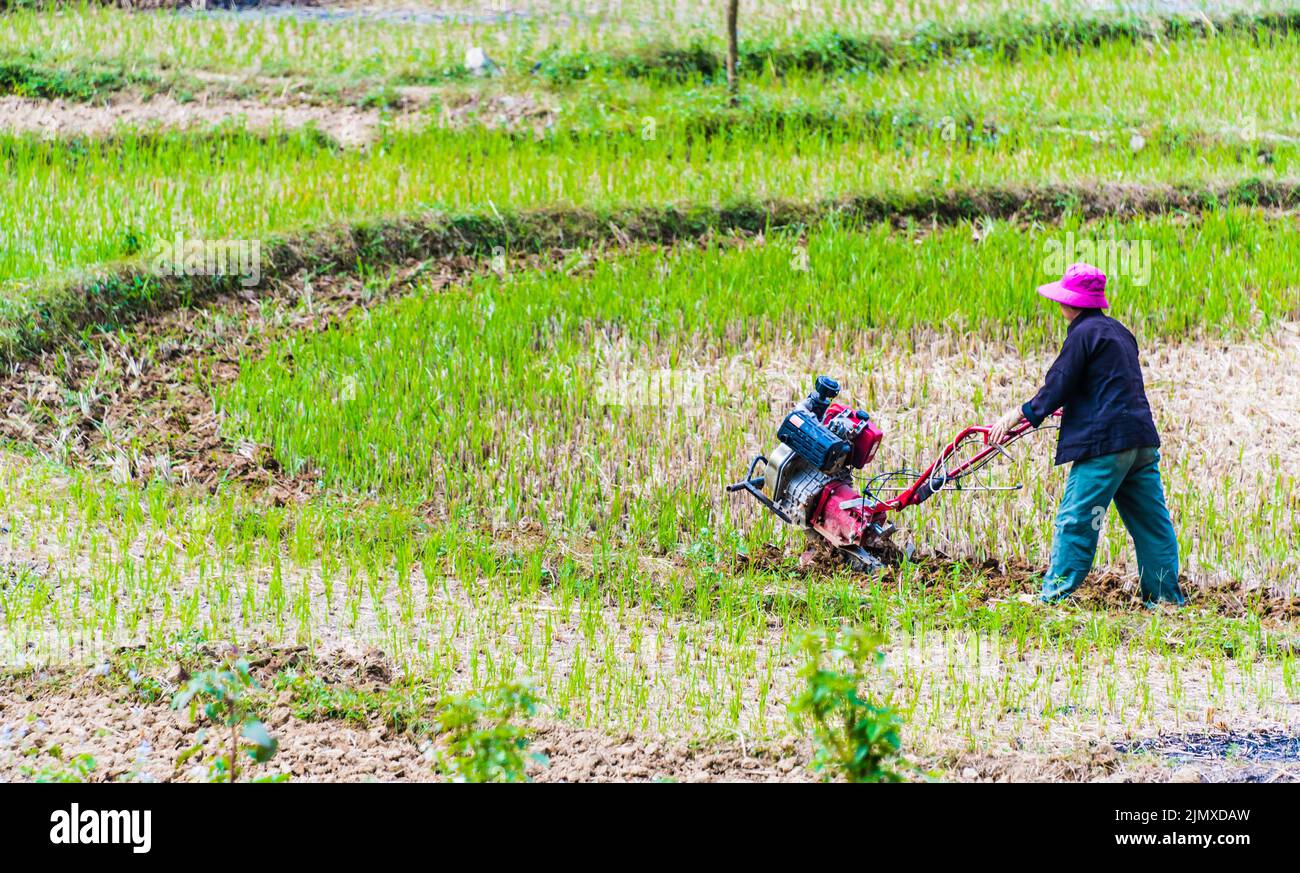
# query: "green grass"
658, 41
75, 204
27, 77
1231, 85
80, 207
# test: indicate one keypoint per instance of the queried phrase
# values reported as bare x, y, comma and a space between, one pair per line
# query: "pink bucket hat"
1083, 286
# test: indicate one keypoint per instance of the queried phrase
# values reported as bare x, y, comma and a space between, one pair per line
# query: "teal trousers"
1131, 480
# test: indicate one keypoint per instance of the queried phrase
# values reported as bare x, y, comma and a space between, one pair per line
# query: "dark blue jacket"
1098, 381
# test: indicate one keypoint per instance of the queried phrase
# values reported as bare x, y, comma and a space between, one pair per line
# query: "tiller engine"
808, 479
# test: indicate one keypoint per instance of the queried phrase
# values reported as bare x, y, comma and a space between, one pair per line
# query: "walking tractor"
808, 480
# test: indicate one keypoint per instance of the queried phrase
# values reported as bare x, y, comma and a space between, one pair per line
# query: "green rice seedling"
74, 771
986, 100
249, 187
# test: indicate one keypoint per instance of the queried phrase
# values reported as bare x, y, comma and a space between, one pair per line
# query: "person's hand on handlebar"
1009, 419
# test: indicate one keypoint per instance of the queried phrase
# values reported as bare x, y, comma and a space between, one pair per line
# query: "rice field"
988, 124
365, 406
408, 45
462, 444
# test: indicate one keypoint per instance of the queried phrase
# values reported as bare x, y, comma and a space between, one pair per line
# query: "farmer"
1108, 434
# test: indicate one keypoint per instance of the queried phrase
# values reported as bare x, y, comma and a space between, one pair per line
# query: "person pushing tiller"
1109, 438
815, 478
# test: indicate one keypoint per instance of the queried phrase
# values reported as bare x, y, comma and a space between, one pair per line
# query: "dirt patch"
130, 741
1102, 764
503, 111
349, 126
1230, 756
46, 720
1098, 762
584, 755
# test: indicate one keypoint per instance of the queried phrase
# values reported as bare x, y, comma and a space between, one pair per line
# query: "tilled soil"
50, 718
585, 755
994, 581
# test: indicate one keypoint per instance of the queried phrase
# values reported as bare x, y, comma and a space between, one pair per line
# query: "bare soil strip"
349, 126
47, 719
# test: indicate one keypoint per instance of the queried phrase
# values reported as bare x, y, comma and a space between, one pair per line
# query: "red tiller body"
868, 438
809, 480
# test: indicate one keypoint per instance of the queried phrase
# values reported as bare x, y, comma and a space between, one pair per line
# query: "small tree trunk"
733, 85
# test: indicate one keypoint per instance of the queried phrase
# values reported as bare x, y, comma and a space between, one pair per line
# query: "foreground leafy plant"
480, 741
856, 737
76, 770
224, 694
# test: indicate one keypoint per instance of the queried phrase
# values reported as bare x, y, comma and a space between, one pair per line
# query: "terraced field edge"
1008, 36
56, 313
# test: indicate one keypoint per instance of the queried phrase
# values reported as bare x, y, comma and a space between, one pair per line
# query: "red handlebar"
934, 479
